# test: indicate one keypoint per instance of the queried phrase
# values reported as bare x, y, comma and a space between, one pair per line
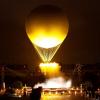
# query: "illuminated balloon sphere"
47, 26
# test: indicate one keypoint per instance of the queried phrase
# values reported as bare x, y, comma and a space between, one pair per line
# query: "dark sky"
80, 46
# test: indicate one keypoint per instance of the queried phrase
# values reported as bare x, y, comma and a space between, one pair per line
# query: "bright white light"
47, 42
68, 84
58, 82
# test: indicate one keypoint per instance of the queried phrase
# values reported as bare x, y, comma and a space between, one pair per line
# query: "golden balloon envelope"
47, 27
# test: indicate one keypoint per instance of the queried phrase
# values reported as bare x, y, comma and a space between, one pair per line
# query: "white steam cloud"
58, 82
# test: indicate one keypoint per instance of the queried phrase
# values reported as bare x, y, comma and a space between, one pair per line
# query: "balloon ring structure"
47, 27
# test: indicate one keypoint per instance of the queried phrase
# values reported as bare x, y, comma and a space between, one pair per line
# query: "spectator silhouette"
36, 93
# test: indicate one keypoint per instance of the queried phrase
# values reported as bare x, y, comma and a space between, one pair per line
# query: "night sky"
80, 46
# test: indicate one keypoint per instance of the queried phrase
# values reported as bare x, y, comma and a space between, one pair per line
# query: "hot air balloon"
47, 27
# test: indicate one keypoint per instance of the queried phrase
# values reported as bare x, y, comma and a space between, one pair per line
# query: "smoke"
58, 82
55, 78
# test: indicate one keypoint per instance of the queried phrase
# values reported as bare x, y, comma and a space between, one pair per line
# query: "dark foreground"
48, 97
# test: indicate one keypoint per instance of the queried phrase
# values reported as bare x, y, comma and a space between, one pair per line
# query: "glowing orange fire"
50, 69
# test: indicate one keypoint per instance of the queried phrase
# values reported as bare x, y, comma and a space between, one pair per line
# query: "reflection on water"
55, 97
63, 97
